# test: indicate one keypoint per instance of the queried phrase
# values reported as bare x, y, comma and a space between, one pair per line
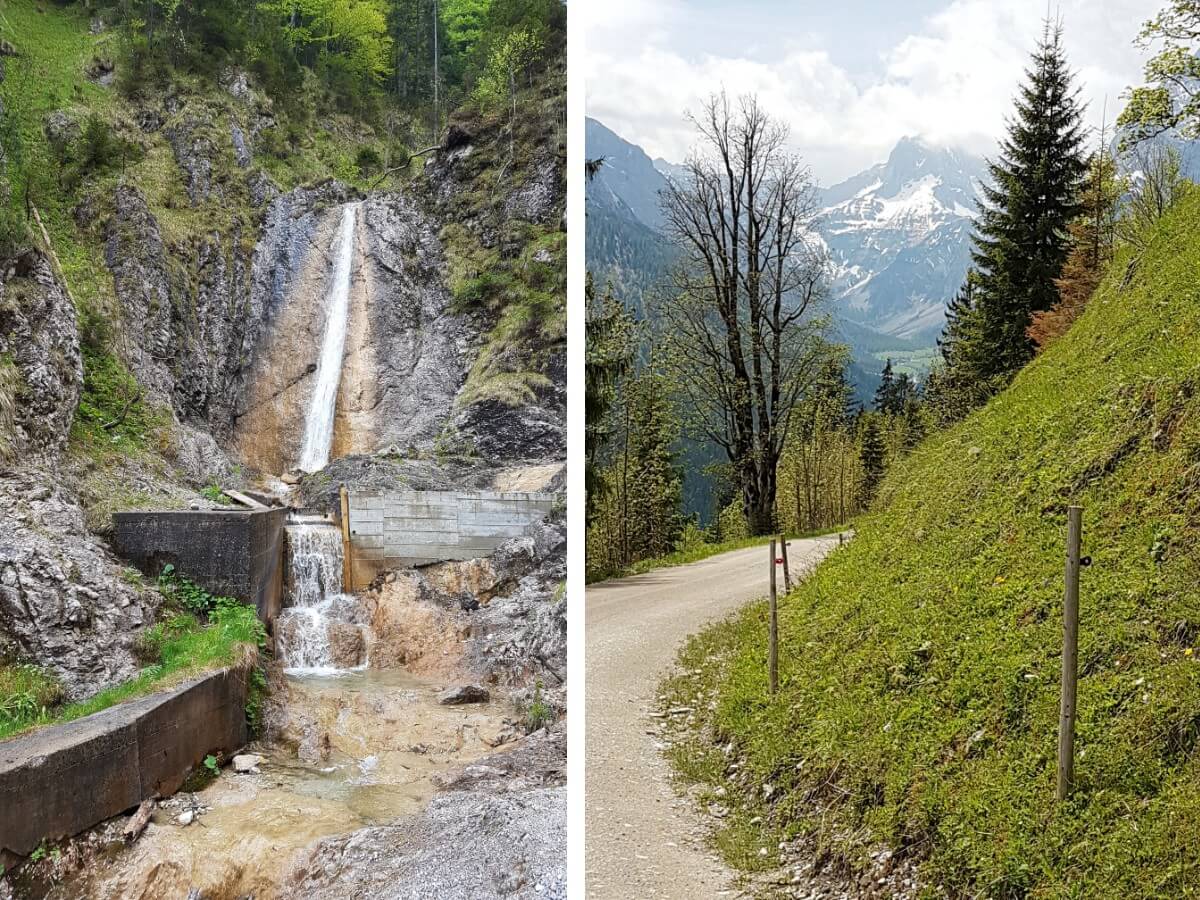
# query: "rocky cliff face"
64, 601
41, 370
218, 281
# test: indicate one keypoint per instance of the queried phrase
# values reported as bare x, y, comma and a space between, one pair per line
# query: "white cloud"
952, 79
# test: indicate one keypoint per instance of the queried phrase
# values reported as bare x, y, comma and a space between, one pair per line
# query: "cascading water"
315, 554
318, 427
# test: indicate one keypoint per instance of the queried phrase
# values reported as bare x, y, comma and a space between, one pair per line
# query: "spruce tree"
872, 456
1093, 242
1022, 238
608, 358
886, 392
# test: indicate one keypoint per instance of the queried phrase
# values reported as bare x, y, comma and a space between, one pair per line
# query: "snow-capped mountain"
671, 171
628, 179
899, 237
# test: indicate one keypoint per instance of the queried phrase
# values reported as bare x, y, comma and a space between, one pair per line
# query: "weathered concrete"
66, 778
398, 529
230, 553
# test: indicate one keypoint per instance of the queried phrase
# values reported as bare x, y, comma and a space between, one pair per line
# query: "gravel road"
643, 840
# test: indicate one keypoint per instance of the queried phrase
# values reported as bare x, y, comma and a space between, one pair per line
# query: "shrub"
731, 523
538, 715
368, 161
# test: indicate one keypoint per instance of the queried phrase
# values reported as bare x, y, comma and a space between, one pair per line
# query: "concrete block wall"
230, 553
399, 529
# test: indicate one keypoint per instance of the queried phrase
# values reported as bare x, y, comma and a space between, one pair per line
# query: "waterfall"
302, 631
318, 426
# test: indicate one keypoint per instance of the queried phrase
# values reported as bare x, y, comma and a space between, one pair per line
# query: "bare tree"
740, 312
1160, 184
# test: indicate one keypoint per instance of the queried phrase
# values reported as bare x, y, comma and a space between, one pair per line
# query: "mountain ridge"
897, 235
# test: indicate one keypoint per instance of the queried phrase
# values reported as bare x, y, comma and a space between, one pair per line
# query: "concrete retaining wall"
412, 528
66, 778
230, 553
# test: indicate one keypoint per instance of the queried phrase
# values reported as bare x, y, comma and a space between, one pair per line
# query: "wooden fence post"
347, 546
787, 576
773, 631
1070, 655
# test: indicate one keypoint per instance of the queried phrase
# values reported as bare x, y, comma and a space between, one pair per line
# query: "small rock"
465, 693
246, 762
186, 818
290, 478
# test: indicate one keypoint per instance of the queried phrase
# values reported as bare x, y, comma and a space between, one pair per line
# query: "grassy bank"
214, 633
919, 667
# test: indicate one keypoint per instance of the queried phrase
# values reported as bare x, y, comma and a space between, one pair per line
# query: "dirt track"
643, 840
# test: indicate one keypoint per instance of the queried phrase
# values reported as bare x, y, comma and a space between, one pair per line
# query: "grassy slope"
920, 666
520, 280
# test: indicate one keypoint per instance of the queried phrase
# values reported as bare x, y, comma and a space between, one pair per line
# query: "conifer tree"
1022, 238
609, 354
873, 458
1093, 240
885, 393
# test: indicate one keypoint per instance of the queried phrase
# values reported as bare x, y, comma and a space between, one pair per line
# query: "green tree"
1171, 97
1161, 184
608, 356
956, 385
819, 465
511, 60
637, 511
1021, 239
885, 393
346, 41
872, 457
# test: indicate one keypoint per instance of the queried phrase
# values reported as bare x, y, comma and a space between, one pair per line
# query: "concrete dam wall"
229, 553
399, 529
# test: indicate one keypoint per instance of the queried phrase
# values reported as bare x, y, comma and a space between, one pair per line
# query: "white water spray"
318, 427
315, 554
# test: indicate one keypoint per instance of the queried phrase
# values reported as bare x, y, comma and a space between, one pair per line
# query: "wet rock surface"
463, 694
501, 620
417, 380
345, 756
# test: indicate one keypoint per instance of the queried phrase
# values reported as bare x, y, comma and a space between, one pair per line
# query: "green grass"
697, 552
919, 667
182, 647
55, 47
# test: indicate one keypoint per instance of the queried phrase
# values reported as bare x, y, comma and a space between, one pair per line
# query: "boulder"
346, 645
246, 762
462, 694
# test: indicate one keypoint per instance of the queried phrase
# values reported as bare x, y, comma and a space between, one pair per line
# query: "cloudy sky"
851, 77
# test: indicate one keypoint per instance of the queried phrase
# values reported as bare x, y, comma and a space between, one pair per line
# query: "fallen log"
137, 824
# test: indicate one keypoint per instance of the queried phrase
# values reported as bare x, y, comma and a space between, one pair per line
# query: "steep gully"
349, 746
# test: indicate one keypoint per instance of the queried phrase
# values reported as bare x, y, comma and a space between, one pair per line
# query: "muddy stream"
354, 750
